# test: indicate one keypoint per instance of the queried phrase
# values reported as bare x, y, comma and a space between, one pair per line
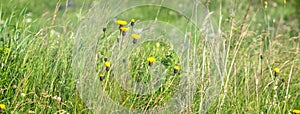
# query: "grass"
37, 58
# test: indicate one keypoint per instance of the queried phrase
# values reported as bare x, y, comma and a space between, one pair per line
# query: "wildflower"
124, 29
135, 37
2, 107
266, 4
276, 71
296, 111
132, 22
176, 69
104, 29
151, 60
107, 65
121, 22
101, 78
105, 59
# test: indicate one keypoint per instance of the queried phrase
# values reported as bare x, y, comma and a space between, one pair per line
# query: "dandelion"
176, 69
121, 22
135, 37
2, 107
132, 22
124, 30
151, 60
276, 71
296, 111
266, 4
107, 66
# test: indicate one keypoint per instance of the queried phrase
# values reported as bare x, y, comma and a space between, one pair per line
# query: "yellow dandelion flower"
2, 106
121, 22
135, 36
276, 70
151, 60
124, 29
176, 68
296, 111
132, 20
107, 64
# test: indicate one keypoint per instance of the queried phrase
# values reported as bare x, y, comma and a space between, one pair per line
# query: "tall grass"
36, 58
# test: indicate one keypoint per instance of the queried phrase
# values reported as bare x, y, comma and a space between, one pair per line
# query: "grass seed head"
266, 4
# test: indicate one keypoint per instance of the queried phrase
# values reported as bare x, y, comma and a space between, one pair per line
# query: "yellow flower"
124, 29
296, 111
276, 70
132, 20
151, 59
107, 64
176, 67
2, 106
135, 36
121, 22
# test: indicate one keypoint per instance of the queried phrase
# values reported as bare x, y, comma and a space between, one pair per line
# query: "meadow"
48, 58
